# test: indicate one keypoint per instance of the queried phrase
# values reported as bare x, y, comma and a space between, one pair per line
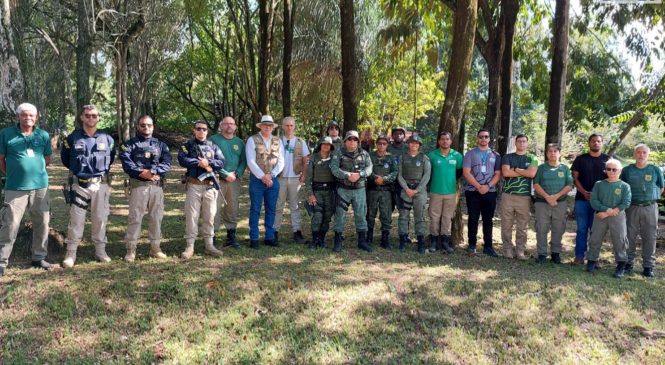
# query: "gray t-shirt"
483, 165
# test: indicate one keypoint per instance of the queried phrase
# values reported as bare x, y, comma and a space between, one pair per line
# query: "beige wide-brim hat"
266, 119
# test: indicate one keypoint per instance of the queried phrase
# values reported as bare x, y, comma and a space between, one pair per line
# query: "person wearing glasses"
446, 170
292, 177
265, 159
587, 169
609, 199
202, 159
482, 170
235, 163
380, 186
146, 160
25, 151
351, 165
646, 187
518, 169
88, 154
552, 183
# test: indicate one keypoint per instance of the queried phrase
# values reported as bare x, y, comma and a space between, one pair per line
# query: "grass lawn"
290, 305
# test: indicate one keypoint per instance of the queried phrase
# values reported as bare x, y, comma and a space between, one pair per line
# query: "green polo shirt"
444, 171
24, 158
552, 179
519, 185
645, 183
234, 154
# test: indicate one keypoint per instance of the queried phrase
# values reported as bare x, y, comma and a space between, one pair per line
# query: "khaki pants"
98, 193
227, 205
200, 201
441, 212
549, 217
514, 209
15, 204
642, 221
617, 227
148, 198
289, 187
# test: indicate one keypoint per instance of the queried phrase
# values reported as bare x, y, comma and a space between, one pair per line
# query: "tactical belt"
319, 186
195, 181
380, 187
642, 204
91, 180
412, 185
351, 187
135, 183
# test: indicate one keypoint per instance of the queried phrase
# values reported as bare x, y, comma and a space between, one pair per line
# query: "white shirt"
289, 153
250, 152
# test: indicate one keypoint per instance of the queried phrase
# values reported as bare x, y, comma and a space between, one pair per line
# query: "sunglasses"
146, 125
611, 169
484, 136
201, 129
91, 116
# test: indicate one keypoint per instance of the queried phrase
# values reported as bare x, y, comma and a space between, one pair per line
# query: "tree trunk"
452, 115
266, 17
349, 65
122, 113
286, 63
492, 110
83, 55
509, 11
557, 101
11, 78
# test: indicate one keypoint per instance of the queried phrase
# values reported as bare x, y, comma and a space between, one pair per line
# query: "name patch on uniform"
647, 177
617, 191
560, 173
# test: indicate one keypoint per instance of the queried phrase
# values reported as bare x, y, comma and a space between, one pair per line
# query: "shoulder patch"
184, 149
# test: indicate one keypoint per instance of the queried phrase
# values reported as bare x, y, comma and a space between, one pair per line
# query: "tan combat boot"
508, 251
189, 251
156, 251
210, 249
70, 256
131, 252
520, 254
100, 253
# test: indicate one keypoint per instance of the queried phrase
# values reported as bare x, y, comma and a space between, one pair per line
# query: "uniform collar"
142, 138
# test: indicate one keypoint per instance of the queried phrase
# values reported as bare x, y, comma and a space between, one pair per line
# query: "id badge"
30, 152
483, 169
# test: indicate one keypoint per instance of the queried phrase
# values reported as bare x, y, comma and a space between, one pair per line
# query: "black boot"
370, 236
315, 241
362, 243
298, 238
433, 243
489, 251
338, 242
619, 272
591, 266
276, 240
254, 244
541, 259
385, 239
402, 242
628, 269
231, 238
648, 272
556, 258
421, 244
445, 244
322, 239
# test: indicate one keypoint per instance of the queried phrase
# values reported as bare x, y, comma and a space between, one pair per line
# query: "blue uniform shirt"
194, 150
87, 156
145, 153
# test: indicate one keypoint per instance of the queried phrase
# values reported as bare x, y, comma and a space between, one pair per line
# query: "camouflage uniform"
380, 197
320, 182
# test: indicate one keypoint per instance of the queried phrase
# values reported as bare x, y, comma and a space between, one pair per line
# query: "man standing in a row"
320, 191
25, 151
646, 186
265, 159
202, 159
482, 171
146, 160
351, 166
518, 169
235, 163
88, 154
291, 179
380, 187
413, 177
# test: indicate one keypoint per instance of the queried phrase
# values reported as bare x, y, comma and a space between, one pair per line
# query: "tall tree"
556, 104
349, 64
83, 55
286, 62
459, 69
11, 79
266, 19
